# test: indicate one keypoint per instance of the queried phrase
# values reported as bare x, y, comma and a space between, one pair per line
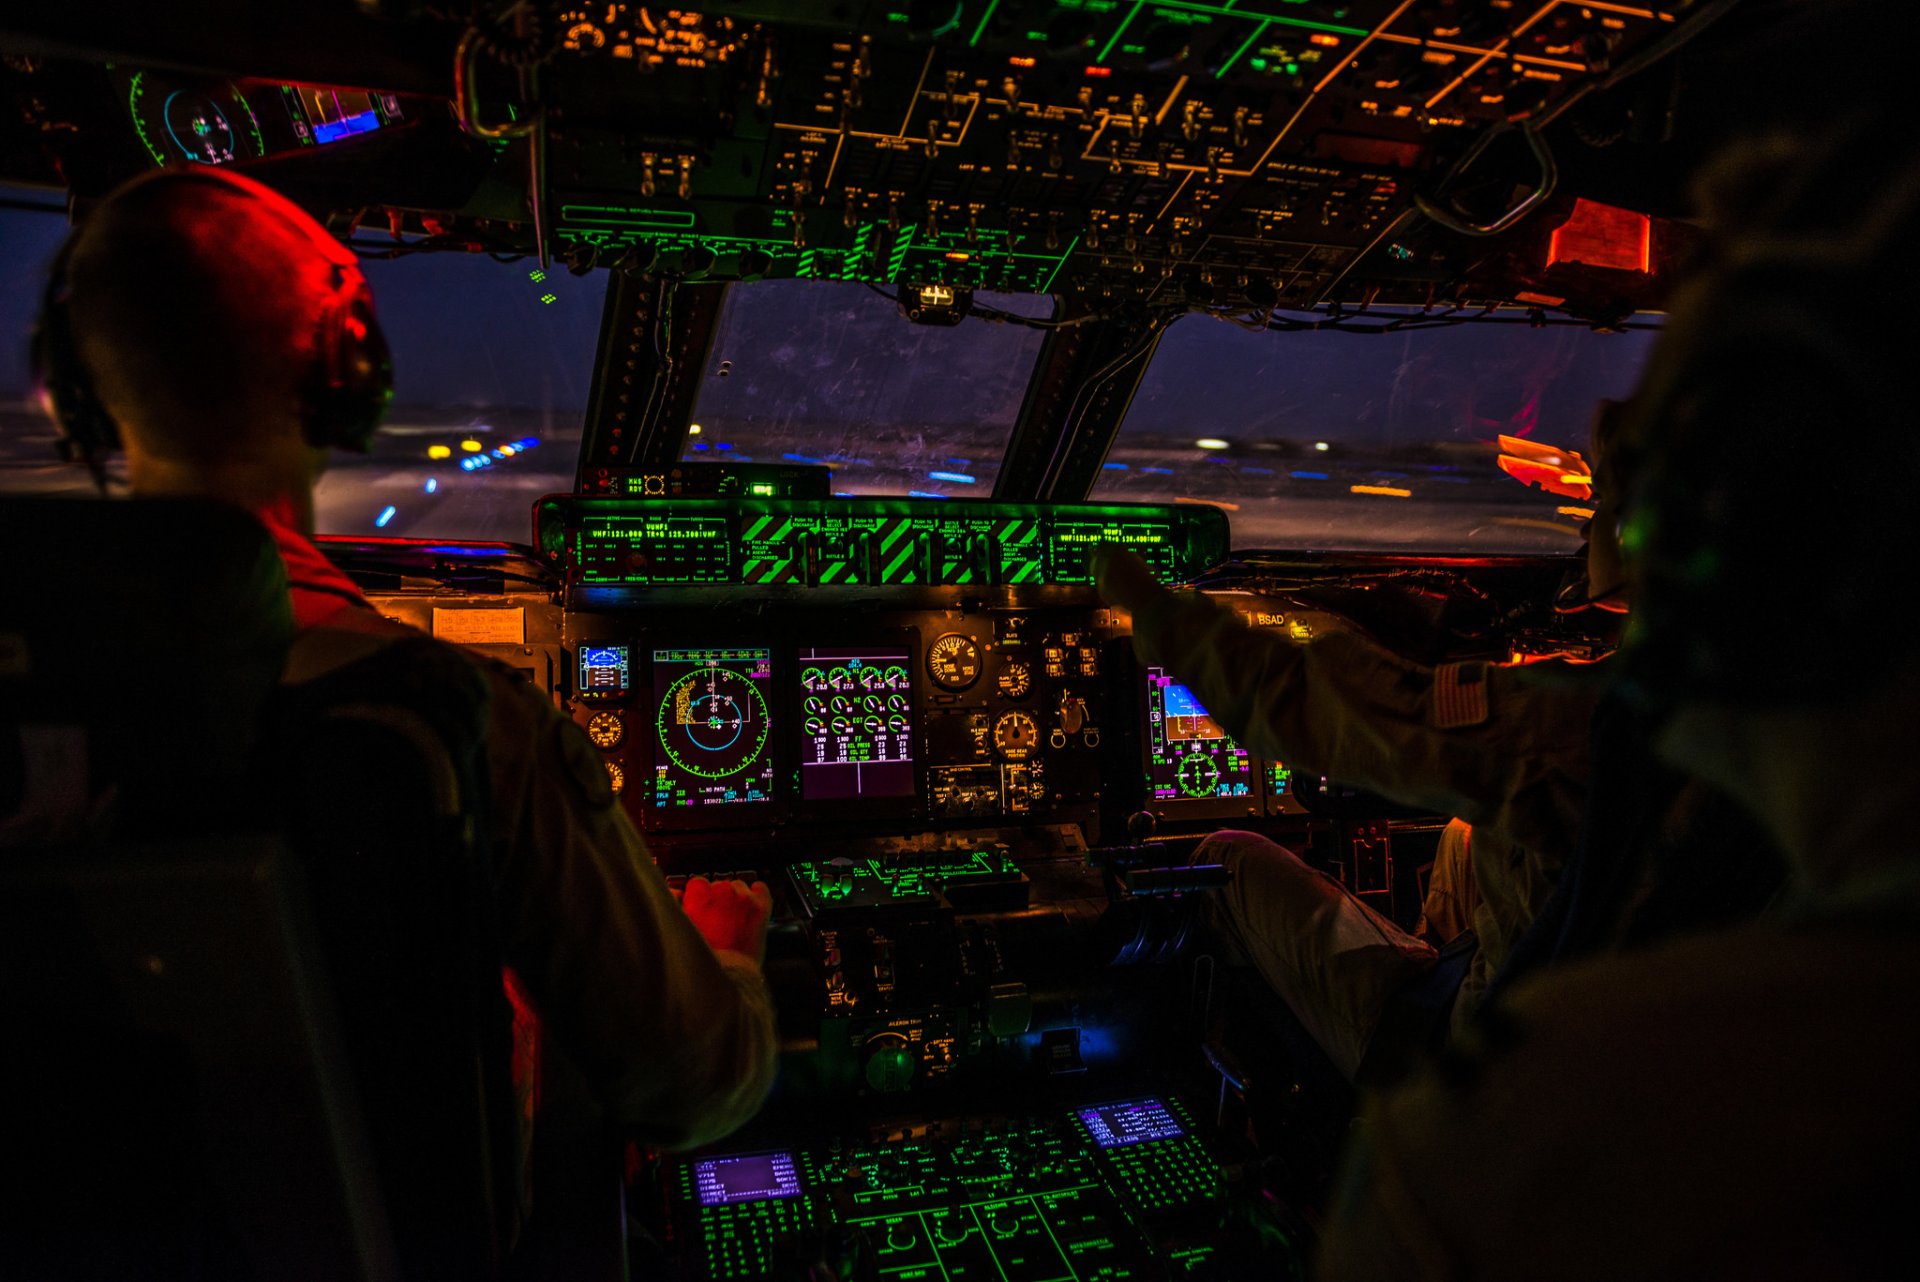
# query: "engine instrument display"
1189, 757
711, 728
605, 671
856, 724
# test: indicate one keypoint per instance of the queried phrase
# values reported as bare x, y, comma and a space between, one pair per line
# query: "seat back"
380, 770
186, 1109
325, 1077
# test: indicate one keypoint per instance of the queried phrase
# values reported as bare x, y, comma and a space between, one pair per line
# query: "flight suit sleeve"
1511, 757
678, 1040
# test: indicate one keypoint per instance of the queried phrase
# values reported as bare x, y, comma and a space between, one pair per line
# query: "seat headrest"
148, 631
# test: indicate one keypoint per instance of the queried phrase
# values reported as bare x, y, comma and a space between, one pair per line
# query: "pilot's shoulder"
528, 736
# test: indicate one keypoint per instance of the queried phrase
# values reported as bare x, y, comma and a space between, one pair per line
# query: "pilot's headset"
344, 394
1773, 448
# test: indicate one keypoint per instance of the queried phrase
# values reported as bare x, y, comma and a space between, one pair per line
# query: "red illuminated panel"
1603, 236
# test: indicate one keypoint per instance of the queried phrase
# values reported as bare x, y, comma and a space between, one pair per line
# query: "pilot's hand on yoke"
1123, 579
729, 914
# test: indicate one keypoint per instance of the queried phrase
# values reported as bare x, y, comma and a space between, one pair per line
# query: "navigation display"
856, 732
1134, 1122
1189, 757
603, 671
711, 728
752, 1177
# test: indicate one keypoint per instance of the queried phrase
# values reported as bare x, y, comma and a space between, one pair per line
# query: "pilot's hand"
730, 914
1123, 579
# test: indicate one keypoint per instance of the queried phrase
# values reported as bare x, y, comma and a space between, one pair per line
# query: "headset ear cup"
87, 430
353, 377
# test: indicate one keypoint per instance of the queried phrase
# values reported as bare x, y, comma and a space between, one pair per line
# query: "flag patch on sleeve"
1459, 695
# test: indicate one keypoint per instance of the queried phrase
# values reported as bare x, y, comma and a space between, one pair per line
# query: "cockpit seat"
256, 1021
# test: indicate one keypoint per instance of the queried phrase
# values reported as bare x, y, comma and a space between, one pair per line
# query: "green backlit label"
859, 542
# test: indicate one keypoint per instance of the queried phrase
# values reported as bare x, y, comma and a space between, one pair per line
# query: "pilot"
1738, 1103
1505, 754
211, 321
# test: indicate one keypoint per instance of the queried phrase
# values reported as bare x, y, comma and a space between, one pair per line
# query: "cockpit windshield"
1381, 440
830, 372
492, 363
1320, 439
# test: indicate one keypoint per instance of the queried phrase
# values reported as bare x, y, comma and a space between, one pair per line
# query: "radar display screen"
856, 733
1189, 757
751, 1177
1134, 1122
711, 745
604, 671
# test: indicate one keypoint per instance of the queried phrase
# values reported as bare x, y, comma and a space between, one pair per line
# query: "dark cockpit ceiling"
909, 710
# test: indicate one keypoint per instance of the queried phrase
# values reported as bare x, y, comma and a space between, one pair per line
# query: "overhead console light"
935, 304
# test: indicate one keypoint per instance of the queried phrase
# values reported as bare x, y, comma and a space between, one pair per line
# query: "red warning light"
1603, 236
1099, 71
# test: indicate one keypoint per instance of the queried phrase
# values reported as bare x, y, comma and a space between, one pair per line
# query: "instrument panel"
955, 714
606, 545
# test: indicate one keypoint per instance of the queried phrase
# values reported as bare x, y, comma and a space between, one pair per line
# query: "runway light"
957, 478
693, 429
471, 446
1322, 446
439, 451
1308, 476
1211, 443
384, 517
1578, 513
432, 484
1392, 492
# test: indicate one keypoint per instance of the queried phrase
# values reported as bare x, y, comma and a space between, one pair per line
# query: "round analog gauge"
606, 730
712, 723
1015, 734
953, 661
1198, 775
616, 777
1016, 679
